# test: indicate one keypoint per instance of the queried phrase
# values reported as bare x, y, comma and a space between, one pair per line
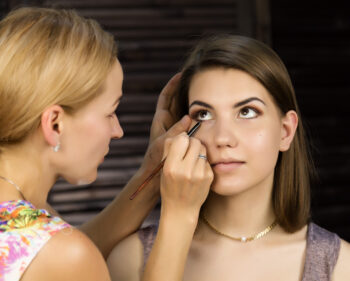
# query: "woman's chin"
226, 188
83, 182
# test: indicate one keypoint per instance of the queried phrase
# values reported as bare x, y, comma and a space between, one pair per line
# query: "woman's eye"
248, 113
203, 115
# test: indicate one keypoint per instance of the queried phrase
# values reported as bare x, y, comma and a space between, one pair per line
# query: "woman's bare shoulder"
342, 269
68, 255
125, 262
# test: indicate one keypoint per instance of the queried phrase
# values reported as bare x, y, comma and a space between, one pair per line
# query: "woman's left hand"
164, 125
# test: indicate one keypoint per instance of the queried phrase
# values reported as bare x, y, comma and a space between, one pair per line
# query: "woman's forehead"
219, 84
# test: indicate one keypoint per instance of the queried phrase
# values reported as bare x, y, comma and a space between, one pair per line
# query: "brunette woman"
255, 223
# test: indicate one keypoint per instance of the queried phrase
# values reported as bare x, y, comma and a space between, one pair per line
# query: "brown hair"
48, 57
291, 191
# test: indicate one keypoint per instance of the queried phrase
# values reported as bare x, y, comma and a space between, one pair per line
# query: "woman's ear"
289, 127
52, 124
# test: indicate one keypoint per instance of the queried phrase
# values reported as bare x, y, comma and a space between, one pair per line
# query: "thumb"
179, 127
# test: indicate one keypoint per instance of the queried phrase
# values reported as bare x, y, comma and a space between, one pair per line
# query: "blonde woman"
255, 223
60, 84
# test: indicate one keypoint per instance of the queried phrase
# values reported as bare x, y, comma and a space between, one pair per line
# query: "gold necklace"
15, 185
243, 238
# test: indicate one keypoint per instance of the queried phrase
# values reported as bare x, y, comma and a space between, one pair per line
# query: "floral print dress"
24, 230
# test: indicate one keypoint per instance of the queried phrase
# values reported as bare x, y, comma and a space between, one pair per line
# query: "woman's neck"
243, 214
22, 165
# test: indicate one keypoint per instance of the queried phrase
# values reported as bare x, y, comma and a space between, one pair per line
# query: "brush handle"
160, 166
149, 178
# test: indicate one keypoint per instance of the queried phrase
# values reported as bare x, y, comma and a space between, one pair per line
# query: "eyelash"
111, 115
195, 114
114, 113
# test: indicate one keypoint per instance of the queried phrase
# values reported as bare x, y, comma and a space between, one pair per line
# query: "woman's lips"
225, 167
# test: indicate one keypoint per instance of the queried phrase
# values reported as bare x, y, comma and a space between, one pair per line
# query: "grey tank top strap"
147, 236
322, 252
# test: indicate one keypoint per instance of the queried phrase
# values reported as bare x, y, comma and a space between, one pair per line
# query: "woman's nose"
117, 131
224, 135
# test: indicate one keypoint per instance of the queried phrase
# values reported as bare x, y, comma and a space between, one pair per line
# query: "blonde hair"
47, 57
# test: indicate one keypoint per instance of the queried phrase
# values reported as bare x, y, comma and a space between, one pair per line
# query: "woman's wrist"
179, 217
169, 253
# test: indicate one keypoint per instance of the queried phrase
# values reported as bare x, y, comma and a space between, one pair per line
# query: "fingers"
161, 121
164, 117
195, 146
181, 126
186, 178
167, 94
175, 148
182, 153
204, 166
201, 160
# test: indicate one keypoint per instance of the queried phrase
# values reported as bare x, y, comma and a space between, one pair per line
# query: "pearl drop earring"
57, 147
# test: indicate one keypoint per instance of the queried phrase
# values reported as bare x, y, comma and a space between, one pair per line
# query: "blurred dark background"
311, 37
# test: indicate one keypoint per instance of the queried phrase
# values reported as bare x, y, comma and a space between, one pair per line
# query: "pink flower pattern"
24, 230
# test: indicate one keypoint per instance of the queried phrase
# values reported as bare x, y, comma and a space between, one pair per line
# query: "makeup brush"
160, 165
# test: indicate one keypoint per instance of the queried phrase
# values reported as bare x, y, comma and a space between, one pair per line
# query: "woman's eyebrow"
248, 100
201, 104
238, 104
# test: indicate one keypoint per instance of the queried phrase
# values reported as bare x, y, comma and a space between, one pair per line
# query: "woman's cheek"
205, 132
261, 141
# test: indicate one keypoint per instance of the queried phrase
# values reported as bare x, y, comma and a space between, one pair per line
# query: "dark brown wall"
313, 39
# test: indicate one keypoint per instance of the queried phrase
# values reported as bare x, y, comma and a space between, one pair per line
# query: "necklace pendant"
243, 239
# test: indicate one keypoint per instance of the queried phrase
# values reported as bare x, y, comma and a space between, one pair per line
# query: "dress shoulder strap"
322, 253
